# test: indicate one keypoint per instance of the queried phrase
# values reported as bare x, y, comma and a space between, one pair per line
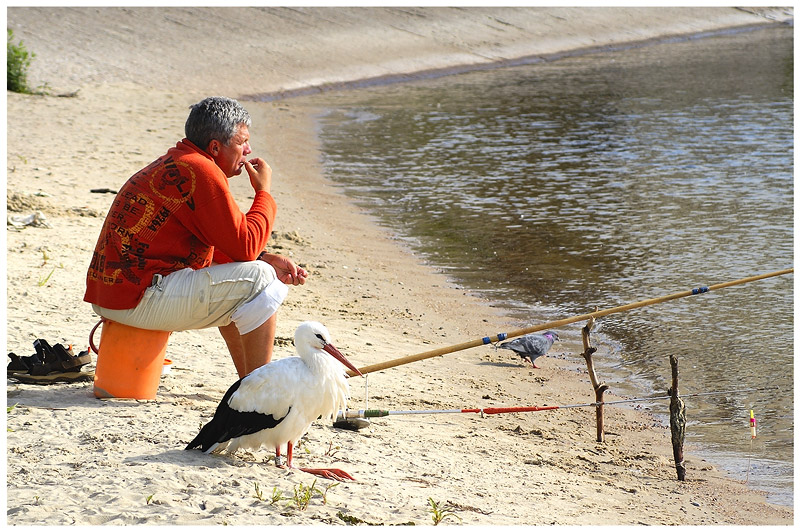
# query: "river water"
557, 187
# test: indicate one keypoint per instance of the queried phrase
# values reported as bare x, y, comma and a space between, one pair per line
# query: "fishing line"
367, 413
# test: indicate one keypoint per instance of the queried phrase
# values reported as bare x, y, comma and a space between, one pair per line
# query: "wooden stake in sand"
599, 387
677, 420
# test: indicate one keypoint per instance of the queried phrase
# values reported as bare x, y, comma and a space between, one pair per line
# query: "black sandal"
73, 376
23, 364
49, 364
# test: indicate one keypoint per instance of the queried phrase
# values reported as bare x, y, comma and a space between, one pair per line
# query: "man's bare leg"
252, 350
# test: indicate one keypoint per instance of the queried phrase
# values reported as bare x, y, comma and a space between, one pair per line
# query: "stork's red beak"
340, 357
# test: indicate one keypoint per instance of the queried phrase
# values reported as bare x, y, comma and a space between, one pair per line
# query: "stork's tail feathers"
206, 439
210, 434
228, 423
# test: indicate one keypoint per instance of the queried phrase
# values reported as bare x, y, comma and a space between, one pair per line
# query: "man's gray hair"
215, 118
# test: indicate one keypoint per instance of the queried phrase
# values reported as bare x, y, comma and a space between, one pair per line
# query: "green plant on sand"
440, 512
18, 59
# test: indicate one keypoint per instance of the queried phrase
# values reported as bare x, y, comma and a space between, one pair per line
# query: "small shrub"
18, 60
277, 496
303, 494
440, 512
259, 494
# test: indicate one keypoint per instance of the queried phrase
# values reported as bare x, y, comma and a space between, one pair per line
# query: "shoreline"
435, 73
281, 49
72, 459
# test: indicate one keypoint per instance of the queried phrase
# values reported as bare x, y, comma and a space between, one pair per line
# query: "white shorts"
246, 293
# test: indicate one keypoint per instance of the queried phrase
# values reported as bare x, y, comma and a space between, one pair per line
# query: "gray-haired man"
175, 251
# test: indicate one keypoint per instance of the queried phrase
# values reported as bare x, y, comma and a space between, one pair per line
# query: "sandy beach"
120, 81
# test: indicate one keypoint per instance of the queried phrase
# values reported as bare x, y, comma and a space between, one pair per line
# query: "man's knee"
252, 314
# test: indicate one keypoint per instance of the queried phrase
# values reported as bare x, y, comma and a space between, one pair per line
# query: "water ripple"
603, 180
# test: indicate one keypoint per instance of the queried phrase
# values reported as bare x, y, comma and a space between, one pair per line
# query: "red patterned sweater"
178, 212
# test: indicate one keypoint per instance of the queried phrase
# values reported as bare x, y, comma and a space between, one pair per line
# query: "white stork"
276, 403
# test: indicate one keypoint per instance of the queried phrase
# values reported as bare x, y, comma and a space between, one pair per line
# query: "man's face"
230, 158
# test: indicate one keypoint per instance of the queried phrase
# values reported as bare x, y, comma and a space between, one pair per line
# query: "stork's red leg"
331, 474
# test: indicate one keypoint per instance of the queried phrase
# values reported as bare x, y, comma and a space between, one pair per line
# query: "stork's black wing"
229, 423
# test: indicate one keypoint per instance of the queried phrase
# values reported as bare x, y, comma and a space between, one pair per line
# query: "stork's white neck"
319, 362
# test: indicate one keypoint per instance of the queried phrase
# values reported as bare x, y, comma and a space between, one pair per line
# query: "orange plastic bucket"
129, 361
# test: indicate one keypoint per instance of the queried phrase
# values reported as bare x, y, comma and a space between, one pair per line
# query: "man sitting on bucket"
175, 251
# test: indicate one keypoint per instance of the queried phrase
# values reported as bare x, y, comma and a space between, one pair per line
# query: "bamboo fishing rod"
367, 413
560, 323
